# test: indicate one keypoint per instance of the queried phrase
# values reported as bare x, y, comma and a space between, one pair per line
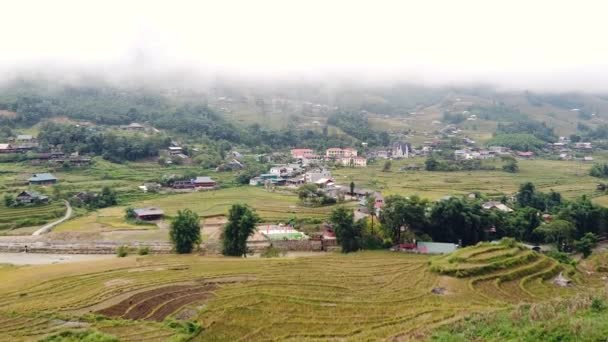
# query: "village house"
299, 153
500, 150
313, 176
588, 159
335, 191
289, 170
175, 150
336, 152
204, 182
42, 179
134, 126
583, 146
7, 148
461, 155
382, 154
401, 150
150, 187
496, 205
25, 138
264, 178
29, 197
312, 159
25, 142
83, 197
525, 155
149, 214
183, 184
354, 161
74, 159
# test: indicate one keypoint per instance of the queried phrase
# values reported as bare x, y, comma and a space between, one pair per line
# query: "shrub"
80, 336
598, 305
122, 251
271, 252
145, 250
561, 257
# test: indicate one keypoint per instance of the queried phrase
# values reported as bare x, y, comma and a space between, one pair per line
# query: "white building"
401, 150
354, 161
313, 176
336, 152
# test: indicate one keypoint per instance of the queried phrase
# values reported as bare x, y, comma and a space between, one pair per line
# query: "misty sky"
534, 43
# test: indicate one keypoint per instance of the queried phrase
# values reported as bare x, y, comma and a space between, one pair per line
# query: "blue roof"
436, 247
42, 177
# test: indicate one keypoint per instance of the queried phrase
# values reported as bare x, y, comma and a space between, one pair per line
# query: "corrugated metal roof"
42, 177
148, 211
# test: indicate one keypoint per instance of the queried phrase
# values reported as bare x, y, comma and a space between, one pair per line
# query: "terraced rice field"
507, 273
30, 215
271, 206
360, 296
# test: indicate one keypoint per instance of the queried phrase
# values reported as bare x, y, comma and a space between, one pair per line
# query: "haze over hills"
340, 144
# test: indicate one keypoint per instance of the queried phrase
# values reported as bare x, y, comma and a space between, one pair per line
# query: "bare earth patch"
117, 282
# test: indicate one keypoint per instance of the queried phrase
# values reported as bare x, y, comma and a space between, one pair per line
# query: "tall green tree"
456, 219
399, 211
559, 232
387, 166
526, 195
185, 231
586, 244
9, 200
348, 232
586, 216
241, 224
521, 224
352, 188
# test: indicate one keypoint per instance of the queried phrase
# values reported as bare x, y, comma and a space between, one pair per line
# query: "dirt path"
49, 226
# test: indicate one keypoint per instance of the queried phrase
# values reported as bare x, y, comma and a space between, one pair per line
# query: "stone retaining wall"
79, 248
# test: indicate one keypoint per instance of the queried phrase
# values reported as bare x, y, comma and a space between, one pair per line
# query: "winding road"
49, 226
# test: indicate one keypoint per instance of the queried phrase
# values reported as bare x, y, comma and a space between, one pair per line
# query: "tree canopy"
348, 232
241, 224
185, 231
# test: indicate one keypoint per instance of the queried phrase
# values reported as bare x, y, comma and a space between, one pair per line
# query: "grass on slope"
12, 218
583, 318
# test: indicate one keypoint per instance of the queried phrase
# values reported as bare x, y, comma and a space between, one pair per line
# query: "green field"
360, 296
570, 178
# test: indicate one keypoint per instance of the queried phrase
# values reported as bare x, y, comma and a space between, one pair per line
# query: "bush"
598, 305
188, 329
122, 251
370, 242
145, 250
80, 336
561, 257
272, 252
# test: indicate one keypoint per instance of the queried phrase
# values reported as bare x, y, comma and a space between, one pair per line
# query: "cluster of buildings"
342, 156
198, 183
292, 174
565, 149
489, 153
20, 144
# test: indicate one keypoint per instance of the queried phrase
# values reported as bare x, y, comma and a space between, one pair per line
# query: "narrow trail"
49, 226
